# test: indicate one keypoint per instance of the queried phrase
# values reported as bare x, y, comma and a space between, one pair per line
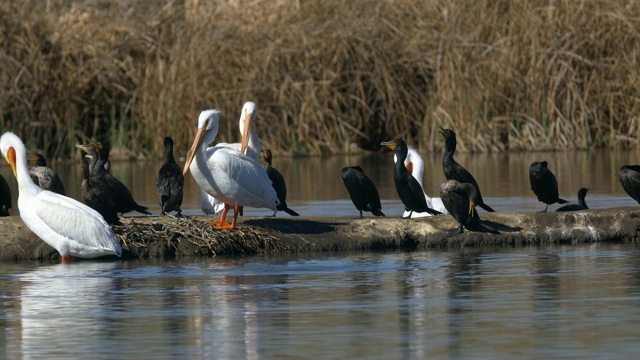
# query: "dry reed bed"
507, 75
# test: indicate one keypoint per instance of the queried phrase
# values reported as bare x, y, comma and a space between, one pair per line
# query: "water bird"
581, 205
97, 197
170, 181
278, 183
544, 184
92, 148
415, 165
408, 188
226, 173
5, 197
118, 191
70, 227
362, 191
44, 176
461, 199
629, 176
455, 171
248, 115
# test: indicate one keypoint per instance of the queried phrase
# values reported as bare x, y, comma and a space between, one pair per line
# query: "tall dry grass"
506, 75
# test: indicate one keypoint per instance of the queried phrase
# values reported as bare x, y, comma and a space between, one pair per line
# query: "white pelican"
415, 165
226, 173
211, 205
69, 226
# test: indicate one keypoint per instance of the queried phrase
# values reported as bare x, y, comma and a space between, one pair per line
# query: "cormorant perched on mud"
544, 184
409, 190
44, 176
362, 191
278, 183
96, 196
629, 176
581, 205
5, 197
460, 199
455, 171
170, 181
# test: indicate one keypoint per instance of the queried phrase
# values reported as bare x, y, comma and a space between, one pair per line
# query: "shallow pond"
560, 302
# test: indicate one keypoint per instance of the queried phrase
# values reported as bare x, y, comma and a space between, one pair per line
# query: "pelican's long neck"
25, 183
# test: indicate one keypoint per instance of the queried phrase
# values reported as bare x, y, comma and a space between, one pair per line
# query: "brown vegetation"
506, 75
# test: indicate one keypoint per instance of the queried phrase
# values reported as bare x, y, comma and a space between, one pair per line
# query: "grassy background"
505, 75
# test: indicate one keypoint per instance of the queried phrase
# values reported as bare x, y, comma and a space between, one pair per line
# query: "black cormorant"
581, 205
455, 171
43, 176
629, 176
409, 190
119, 193
362, 191
461, 199
96, 197
170, 181
5, 197
544, 184
277, 181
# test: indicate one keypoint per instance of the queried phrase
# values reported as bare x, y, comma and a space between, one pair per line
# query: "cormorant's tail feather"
432, 211
377, 212
290, 212
561, 201
141, 209
486, 207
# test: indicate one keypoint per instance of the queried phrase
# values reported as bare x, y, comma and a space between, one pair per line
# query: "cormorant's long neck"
399, 165
449, 150
168, 155
581, 201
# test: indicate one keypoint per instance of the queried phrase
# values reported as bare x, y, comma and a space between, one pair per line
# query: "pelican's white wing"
239, 179
69, 226
417, 170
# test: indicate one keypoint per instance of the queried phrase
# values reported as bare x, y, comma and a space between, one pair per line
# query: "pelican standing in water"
67, 225
226, 173
415, 165
211, 205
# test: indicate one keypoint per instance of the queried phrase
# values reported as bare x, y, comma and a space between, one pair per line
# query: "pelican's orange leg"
222, 221
236, 210
66, 259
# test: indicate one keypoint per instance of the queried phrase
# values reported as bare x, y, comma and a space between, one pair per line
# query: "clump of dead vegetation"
180, 236
507, 75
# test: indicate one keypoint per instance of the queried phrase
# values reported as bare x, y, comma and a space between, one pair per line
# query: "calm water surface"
561, 302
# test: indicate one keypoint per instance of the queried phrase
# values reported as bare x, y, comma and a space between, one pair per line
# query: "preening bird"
226, 173
455, 171
278, 183
415, 165
461, 199
581, 205
362, 191
72, 228
44, 176
170, 181
544, 184
408, 188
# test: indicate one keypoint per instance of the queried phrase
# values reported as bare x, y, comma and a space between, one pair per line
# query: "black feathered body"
362, 191
170, 181
278, 183
47, 179
5, 197
581, 205
629, 176
455, 171
121, 196
544, 184
460, 200
96, 197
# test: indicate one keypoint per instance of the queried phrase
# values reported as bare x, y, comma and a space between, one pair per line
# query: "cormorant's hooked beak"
390, 144
444, 133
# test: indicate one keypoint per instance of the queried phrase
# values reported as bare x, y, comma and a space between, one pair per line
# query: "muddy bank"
171, 237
